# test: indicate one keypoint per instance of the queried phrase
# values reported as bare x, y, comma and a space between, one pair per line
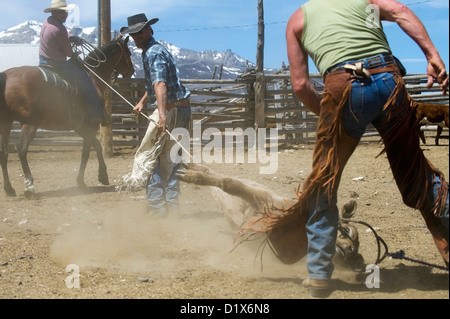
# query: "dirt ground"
119, 251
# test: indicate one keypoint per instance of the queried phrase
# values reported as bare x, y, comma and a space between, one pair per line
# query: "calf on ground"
431, 113
241, 199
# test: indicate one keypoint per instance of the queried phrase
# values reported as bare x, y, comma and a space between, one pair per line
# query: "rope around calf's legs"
397, 255
401, 255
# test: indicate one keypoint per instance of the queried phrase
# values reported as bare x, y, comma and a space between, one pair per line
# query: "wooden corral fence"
296, 124
229, 104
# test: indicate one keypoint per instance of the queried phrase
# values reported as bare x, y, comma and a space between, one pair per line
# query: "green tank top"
336, 31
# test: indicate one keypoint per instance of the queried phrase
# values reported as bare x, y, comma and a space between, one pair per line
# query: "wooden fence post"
260, 85
260, 105
106, 136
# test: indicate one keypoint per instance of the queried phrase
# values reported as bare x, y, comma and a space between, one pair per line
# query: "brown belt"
182, 102
372, 63
364, 73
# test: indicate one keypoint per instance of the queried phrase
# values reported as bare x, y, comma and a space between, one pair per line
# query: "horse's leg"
422, 134
28, 133
5, 129
438, 134
102, 171
84, 160
88, 133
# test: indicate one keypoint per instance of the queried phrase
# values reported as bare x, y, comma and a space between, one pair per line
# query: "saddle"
70, 90
52, 77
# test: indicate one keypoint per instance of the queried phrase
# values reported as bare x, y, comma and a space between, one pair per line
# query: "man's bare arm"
392, 10
298, 64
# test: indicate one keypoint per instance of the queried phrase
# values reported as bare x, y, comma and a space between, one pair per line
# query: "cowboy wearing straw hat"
153, 166
55, 48
59, 5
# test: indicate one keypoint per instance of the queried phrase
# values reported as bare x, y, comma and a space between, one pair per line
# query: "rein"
122, 52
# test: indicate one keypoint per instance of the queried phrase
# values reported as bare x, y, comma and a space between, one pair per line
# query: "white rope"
90, 51
144, 115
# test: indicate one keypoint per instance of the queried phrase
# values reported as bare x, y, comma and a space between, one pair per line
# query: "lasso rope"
87, 46
397, 255
401, 255
86, 50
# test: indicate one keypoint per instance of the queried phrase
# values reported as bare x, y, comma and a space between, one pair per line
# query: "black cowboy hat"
137, 22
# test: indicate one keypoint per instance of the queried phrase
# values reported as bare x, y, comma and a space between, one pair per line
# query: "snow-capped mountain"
27, 32
192, 64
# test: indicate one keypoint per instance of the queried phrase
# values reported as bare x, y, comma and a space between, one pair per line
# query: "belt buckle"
358, 70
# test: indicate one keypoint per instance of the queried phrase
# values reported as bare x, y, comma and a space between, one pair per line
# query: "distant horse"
431, 113
29, 97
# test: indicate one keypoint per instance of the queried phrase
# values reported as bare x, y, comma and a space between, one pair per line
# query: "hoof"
10, 192
30, 193
82, 185
103, 179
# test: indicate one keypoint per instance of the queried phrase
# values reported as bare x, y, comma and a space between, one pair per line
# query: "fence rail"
228, 104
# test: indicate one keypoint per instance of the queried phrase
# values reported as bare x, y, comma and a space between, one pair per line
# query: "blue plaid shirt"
159, 66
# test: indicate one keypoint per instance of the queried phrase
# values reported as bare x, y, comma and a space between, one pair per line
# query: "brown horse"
26, 97
431, 113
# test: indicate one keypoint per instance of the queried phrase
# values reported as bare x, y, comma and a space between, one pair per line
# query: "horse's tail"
2, 90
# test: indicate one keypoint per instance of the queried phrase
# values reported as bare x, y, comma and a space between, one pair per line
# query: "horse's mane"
109, 48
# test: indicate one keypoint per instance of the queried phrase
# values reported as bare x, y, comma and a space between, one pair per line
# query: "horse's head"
123, 65
115, 58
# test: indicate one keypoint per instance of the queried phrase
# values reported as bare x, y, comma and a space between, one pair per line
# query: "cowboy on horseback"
55, 47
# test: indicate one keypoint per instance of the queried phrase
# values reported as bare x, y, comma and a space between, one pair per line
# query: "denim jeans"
368, 98
366, 105
163, 188
160, 195
73, 73
445, 215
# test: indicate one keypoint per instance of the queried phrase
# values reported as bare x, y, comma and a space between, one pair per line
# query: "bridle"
123, 52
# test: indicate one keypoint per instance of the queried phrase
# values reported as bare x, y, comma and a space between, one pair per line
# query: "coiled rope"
86, 51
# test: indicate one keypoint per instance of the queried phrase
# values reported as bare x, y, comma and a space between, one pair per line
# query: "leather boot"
317, 288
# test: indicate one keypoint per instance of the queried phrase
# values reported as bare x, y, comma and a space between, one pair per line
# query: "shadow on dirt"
398, 279
75, 191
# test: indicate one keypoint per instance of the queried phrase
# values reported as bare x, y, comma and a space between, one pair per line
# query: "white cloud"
414, 60
438, 4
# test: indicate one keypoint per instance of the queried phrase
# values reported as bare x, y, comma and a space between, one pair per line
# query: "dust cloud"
128, 238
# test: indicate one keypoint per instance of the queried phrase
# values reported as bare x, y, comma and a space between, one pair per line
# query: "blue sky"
232, 24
